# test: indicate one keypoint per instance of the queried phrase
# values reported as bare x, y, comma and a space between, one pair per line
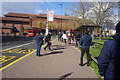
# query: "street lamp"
61, 15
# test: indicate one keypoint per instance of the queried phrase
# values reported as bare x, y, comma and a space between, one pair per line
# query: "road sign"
50, 16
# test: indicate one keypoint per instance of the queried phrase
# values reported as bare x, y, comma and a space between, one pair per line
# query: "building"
23, 21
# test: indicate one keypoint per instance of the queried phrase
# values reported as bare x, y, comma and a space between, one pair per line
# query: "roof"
14, 19
89, 26
85, 26
20, 15
55, 16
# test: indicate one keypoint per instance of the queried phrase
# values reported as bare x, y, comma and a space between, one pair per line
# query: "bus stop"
93, 29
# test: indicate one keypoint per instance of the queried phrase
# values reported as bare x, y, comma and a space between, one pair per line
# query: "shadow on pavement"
72, 44
55, 45
55, 52
58, 48
64, 76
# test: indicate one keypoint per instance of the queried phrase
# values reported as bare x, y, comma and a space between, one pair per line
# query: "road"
10, 42
14, 49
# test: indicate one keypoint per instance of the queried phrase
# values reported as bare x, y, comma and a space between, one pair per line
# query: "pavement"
62, 62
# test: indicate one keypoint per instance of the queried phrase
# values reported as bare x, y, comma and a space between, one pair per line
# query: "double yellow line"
16, 61
19, 59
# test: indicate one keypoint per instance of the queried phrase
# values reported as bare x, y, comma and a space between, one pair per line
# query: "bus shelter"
93, 29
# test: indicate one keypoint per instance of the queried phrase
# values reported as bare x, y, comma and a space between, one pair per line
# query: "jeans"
38, 50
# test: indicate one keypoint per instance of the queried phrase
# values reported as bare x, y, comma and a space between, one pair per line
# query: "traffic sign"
50, 15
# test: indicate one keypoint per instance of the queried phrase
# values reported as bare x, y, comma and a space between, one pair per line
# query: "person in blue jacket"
39, 42
109, 59
85, 42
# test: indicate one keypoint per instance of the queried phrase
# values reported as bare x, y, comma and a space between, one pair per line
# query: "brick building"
23, 21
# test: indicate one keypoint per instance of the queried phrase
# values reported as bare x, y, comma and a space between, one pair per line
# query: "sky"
38, 7
35, 7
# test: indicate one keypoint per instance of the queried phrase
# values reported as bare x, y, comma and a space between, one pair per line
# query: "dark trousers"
76, 43
59, 38
69, 40
48, 45
64, 41
87, 53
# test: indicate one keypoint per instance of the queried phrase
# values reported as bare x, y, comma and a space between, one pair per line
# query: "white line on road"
17, 46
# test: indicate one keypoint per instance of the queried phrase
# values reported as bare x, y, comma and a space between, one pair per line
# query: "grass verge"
103, 38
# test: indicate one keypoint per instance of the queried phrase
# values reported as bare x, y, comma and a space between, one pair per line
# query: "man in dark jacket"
85, 42
47, 40
39, 42
109, 59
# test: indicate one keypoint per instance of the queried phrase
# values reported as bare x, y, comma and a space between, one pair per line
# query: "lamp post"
61, 16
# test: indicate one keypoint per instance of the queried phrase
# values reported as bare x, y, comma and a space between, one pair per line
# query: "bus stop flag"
50, 16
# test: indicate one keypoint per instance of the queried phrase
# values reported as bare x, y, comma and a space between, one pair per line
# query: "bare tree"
101, 13
80, 10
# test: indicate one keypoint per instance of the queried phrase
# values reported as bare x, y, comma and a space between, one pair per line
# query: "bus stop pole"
47, 28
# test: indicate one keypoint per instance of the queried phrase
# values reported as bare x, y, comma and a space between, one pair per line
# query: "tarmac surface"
62, 62
10, 41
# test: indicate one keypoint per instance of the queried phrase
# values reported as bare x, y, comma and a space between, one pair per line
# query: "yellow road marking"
4, 59
18, 50
19, 59
16, 60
